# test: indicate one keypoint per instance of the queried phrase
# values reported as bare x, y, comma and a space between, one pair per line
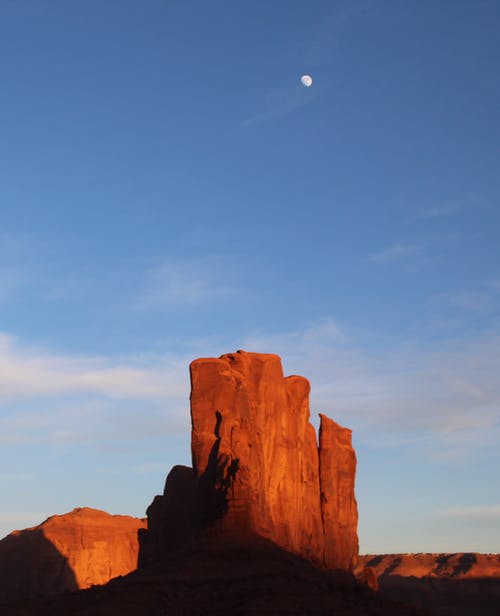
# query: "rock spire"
257, 466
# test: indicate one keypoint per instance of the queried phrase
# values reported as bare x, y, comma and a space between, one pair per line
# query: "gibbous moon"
306, 80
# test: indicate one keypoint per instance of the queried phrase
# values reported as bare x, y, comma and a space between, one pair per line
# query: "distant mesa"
452, 566
68, 552
461, 584
257, 467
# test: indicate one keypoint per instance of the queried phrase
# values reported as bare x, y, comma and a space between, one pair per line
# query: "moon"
306, 80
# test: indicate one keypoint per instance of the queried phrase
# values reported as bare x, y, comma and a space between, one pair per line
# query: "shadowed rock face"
257, 465
173, 518
68, 552
216, 578
461, 584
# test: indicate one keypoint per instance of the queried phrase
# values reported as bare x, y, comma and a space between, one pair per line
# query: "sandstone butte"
258, 468
68, 552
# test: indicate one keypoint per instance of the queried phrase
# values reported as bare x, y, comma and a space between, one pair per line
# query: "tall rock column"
254, 450
257, 468
337, 463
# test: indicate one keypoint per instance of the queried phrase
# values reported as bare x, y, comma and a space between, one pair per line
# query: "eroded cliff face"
255, 451
257, 465
337, 462
68, 552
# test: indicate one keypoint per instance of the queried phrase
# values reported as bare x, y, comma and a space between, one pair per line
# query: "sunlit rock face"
427, 565
255, 451
339, 509
257, 465
68, 552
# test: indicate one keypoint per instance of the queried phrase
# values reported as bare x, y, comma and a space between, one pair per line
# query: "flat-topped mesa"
258, 464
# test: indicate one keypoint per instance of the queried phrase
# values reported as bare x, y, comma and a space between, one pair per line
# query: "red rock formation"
257, 461
337, 462
462, 584
211, 578
67, 552
173, 519
457, 566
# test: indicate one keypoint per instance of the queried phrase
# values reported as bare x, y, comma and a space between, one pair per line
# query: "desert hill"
462, 584
68, 552
217, 577
457, 566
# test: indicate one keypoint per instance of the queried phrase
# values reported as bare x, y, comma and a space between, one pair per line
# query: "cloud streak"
186, 283
30, 372
69, 399
445, 400
282, 102
481, 512
395, 253
449, 393
438, 211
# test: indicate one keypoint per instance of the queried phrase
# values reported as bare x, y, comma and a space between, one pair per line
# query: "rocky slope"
462, 584
217, 577
67, 552
458, 566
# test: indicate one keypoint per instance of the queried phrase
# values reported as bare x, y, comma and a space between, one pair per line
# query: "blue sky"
169, 190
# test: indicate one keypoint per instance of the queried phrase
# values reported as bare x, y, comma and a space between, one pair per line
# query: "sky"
169, 190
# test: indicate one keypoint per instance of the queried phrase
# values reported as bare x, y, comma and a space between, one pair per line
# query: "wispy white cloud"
47, 397
483, 297
396, 252
480, 512
187, 283
324, 36
325, 329
450, 393
445, 209
281, 102
445, 399
31, 372
14, 272
439, 211
470, 300
11, 280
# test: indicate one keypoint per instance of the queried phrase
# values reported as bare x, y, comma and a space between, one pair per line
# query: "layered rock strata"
427, 565
257, 467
